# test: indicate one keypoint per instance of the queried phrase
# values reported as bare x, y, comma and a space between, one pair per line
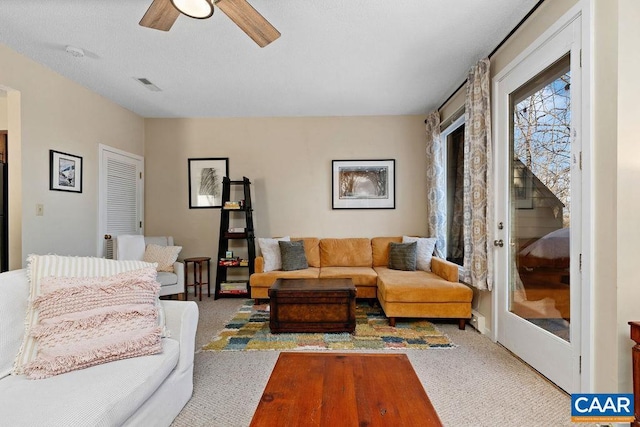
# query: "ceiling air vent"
146, 83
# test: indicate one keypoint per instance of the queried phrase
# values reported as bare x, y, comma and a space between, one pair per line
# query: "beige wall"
51, 112
616, 201
604, 163
4, 114
628, 197
453, 105
289, 163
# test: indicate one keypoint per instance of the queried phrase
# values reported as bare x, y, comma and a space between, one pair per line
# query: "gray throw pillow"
293, 256
402, 256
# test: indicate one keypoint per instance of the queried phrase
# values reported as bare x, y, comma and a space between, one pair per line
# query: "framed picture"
65, 172
205, 182
364, 184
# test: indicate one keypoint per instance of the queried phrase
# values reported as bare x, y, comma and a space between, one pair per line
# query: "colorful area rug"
249, 330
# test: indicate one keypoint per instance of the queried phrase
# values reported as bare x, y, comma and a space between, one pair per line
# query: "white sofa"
172, 283
141, 391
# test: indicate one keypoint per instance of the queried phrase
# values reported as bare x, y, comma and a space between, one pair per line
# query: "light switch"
39, 209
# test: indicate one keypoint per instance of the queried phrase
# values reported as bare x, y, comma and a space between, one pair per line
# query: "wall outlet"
478, 321
39, 209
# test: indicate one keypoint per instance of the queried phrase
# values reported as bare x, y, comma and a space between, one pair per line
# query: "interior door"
121, 196
538, 187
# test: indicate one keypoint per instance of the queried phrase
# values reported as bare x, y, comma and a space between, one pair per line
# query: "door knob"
498, 243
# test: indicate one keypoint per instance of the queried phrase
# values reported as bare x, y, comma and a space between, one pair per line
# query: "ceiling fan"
163, 13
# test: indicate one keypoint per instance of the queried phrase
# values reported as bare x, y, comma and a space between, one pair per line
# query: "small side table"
198, 263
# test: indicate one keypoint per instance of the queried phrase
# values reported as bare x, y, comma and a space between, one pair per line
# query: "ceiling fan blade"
160, 16
249, 20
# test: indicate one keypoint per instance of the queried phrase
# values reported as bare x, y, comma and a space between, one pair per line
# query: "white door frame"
102, 185
582, 302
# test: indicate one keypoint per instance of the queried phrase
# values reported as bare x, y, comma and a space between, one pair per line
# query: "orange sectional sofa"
422, 294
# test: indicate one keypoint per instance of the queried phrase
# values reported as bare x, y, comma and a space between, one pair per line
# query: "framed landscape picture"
364, 184
65, 172
205, 181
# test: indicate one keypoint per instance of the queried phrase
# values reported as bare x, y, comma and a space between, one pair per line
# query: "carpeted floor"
476, 384
249, 330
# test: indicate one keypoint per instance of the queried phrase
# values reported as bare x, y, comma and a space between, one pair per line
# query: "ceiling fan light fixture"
199, 9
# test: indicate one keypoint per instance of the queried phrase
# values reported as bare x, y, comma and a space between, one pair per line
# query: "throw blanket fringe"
45, 367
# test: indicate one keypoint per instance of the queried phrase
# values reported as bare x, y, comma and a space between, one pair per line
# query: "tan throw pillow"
88, 321
165, 256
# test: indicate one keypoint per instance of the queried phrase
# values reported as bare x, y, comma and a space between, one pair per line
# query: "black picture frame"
205, 181
65, 172
363, 184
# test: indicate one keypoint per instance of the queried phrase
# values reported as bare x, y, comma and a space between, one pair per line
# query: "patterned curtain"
478, 189
436, 202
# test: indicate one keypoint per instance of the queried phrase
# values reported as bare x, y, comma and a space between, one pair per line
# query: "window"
453, 141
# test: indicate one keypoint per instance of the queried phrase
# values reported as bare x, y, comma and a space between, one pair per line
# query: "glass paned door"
538, 243
540, 200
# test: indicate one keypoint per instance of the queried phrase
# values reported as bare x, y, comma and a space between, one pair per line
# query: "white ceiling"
334, 58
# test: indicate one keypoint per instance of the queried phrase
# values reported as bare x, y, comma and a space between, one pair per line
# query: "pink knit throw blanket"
86, 321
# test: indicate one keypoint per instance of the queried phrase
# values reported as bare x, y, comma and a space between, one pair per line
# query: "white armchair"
133, 247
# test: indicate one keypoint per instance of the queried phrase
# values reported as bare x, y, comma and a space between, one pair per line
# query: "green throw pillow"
293, 256
402, 256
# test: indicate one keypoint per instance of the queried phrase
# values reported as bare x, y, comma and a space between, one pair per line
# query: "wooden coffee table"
312, 305
339, 389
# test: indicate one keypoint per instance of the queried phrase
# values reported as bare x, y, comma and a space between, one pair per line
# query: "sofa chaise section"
423, 294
